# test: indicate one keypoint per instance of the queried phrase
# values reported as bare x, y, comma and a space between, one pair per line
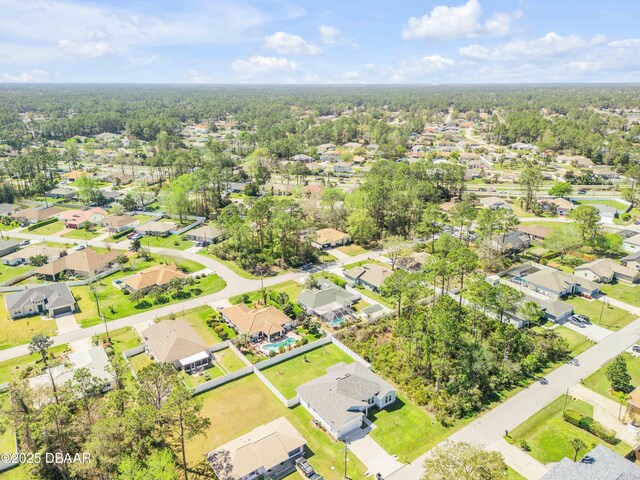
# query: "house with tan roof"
73, 175
535, 232
268, 451
259, 323
82, 218
207, 234
562, 206
494, 203
606, 270
85, 263
176, 342
330, 238
119, 223
158, 275
156, 229
35, 215
370, 275
24, 255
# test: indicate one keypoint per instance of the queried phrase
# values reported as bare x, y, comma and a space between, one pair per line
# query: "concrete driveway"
66, 323
592, 331
374, 457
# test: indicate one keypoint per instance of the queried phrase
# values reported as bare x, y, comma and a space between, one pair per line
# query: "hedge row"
122, 233
42, 223
592, 426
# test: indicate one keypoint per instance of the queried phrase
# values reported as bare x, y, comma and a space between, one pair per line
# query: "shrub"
524, 445
272, 353
121, 234
42, 223
592, 426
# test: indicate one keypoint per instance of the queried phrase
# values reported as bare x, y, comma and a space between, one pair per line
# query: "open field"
290, 287
548, 434
21, 330
244, 404
353, 250
599, 383
609, 203
49, 229
613, 318
81, 234
7, 273
230, 265
625, 292
172, 241
290, 374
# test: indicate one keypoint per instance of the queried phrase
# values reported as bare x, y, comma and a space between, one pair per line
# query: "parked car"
305, 467
635, 349
79, 247
582, 318
576, 321
24, 243
316, 476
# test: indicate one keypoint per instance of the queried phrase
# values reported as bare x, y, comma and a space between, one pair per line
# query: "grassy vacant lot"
554, 226
290, 287
81, 234
7, 273
292, 373
122, 339
233, 266
172, 241
197, 318
599, 383
242, 405
353, 250
17, 332
624, 292
613, 318
49, 229
406, 430
578, 343
608, 203
229, 360
548, 434
117, 305
10, 369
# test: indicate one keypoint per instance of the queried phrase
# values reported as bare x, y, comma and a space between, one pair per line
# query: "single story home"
607, 213
119, 223
554, 310
206, 234
301, 157
328, 301
606, 270
73, 175
85, 263
414, 262
268, 451
158, 275
156, 229
178, 343
62, 192
94, 359
266, 323
372, 312
24, 255
535, 232
35, 215
341, 167
370, 275
513, 241
494, 203
631, 261
330, 238
325, 147
562, 206
53, 298
8, 246
600, 463
81, 218
556, 283
341, 399
632, 244
121, 178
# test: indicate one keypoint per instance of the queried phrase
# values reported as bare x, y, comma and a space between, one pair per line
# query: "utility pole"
566, 397
346, 451
602, 310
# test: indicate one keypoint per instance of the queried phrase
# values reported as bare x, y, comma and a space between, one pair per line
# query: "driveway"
591, 331
66, 323
369, 452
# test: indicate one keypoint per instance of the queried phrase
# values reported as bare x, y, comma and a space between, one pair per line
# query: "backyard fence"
294, 352
18, 279
88, 281
216, 382
197, 221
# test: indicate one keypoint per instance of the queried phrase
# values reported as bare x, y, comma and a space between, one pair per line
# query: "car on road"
79, 247
582, 191
24, 243
305, 467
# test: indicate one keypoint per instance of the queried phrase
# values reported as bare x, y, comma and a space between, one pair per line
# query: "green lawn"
117, 305
578, 343
7, 273
406, 430
229, 360
599, 383
233, 266
353, 250
7, 438
172, 241
18, 473
138, 362
48, 229
11, 370
513, 475
376, 296
290, 287
121, 340
554, 226
21, 330
81, 234
290, 374
613, 318
548, 434
608, 203
238, 407
624, 292
197, 318
209, 373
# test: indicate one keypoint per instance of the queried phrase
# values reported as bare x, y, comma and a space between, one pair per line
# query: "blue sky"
348, 41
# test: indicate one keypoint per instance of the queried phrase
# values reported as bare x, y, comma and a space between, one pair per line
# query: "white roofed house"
341, 399
206, 234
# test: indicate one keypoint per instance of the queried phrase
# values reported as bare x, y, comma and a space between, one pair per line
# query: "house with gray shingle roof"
54, 298
370, 275
599, 464
341, 399
8, 246
328, 301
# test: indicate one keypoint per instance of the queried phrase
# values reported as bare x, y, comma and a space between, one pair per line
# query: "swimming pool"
336, 322
267, 347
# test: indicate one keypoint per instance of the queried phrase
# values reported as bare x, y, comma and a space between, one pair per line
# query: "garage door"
60, 311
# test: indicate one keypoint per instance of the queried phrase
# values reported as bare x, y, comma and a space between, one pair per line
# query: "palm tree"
40, 343
577, 445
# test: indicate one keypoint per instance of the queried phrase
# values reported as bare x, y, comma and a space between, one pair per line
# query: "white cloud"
370, 67
550, 45
463, 21
329, 35
288, 44
19, 54
25, 77
350, 75
259, 67
87, 49
195, 76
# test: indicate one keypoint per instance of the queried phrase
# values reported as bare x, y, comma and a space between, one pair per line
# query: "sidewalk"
519, 460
